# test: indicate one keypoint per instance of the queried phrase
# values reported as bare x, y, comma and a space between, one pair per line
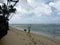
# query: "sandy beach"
18, 37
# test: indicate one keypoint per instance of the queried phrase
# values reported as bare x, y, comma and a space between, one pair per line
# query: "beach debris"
25, 30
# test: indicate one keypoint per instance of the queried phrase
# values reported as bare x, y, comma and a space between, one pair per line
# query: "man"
29, 28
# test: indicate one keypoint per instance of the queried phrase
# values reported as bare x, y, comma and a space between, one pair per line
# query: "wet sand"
18, 37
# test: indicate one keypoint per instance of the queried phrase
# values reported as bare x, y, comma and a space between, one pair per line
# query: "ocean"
50, 30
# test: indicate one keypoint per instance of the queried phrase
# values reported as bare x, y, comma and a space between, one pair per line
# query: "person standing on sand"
29, 28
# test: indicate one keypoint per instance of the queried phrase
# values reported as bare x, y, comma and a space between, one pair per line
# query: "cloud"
56, 5
43, 9
32, 6
36, 11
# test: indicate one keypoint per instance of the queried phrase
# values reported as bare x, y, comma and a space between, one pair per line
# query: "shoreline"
38, 33
18, 37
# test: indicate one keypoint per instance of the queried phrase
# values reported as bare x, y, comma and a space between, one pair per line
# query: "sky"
36, 12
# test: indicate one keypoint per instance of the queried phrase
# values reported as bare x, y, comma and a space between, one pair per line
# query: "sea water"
51, 30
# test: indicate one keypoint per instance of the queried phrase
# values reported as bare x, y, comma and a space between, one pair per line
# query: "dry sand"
17, 37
